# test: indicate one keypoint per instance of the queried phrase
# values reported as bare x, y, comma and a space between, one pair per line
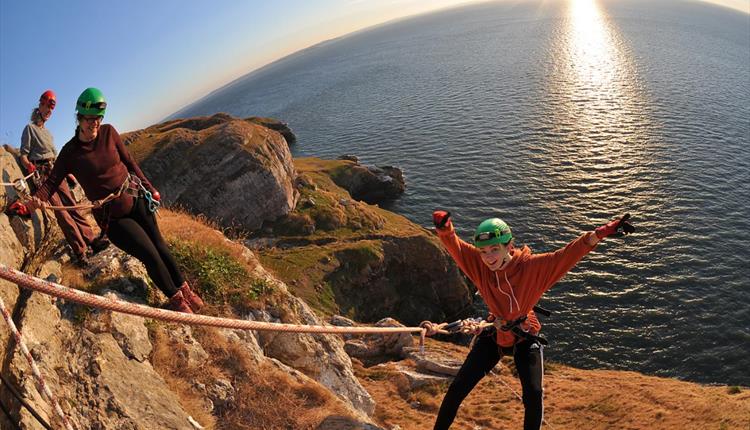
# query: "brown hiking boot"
179, 304
196, 303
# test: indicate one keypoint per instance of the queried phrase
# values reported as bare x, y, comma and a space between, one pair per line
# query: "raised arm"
466, 255
550, 267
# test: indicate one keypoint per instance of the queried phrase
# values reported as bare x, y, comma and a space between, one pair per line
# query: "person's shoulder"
68, 146
107, 128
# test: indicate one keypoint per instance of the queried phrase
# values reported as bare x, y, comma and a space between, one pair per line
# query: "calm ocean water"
557, 116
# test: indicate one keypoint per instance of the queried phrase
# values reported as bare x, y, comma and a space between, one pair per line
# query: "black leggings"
138, 235
482, 358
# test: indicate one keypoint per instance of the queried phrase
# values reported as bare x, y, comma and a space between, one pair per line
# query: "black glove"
441, 219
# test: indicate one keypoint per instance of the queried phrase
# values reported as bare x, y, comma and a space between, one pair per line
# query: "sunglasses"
487, 235
95, 118
51, 103
89, 105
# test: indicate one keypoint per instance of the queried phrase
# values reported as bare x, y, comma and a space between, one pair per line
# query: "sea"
558, 116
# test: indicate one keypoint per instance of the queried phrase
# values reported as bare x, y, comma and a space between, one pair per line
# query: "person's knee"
532, 396
458, 390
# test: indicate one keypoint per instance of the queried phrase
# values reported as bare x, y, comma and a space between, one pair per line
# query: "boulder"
434, 362
379, 345
233, 171
371, 184
319, 356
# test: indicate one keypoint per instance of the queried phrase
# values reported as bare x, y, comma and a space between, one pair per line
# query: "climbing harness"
515, 328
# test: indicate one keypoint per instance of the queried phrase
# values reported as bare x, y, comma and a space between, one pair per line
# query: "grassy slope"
346, 240
574, 399
586, 399
590, 399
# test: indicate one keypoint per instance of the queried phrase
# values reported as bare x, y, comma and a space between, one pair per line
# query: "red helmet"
48, 97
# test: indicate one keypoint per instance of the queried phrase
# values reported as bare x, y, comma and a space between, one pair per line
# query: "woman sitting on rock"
511, 281
104, 168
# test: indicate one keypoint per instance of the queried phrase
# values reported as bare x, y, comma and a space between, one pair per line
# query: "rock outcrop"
234, 171
370, 184
347, 257
102, 364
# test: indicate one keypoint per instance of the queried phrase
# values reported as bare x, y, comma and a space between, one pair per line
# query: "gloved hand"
617, 228
30, 168
156, 196
441, 219
17, 208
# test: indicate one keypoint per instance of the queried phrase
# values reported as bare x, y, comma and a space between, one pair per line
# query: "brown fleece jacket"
512, 292
100, 166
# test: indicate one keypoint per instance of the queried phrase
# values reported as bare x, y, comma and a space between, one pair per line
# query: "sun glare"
590, 45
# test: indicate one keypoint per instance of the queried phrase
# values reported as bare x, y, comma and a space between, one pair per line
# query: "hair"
36, 116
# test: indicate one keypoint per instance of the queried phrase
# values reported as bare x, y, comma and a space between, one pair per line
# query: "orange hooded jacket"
512, 292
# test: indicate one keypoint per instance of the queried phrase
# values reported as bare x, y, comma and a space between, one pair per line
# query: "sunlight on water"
558, 116
598, 116
591, 46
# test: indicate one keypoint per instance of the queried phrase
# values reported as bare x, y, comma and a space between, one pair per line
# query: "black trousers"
138, 235
485, 354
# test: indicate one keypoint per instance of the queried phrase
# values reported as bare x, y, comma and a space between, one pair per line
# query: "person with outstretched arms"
511, 281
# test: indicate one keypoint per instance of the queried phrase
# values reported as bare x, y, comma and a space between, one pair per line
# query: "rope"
94, 205
41, 385
14, 183
116, 305
22, 189
24, 403
92, 300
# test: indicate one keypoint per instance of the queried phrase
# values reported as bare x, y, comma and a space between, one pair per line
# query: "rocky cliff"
319, 252
235, 171
239, 174
117, 371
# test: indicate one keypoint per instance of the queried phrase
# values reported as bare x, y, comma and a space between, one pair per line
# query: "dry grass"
574, 399
221, 270
169, 360
265, 396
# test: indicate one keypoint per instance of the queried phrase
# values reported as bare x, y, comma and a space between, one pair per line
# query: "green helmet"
91, 102
492, 231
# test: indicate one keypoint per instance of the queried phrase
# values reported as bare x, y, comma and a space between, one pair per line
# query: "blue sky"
151, 58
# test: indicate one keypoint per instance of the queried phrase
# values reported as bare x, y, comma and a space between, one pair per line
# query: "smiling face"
45, 109
89, 125
496, 256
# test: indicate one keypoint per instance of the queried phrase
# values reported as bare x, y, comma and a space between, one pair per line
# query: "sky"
152, 58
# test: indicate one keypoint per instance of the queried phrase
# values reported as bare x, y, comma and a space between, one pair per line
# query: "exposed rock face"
378, 345
276, 125
96, 365
19, 237
103, 361
411, 279
371, 184
319, 356
234, 171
